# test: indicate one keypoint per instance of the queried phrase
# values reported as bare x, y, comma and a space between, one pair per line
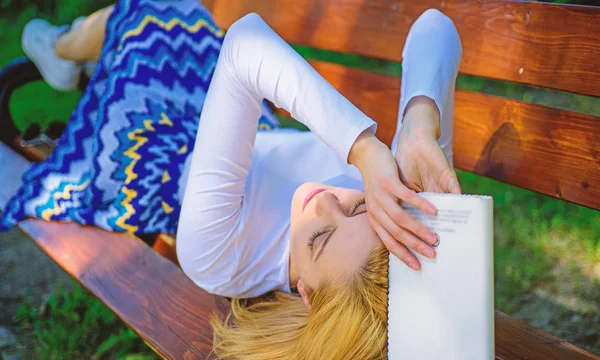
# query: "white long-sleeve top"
234, 228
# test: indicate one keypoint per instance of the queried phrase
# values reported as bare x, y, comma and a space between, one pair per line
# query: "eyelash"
358, 203
314, 237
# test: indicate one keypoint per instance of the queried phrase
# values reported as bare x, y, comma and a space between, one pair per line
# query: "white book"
446, 310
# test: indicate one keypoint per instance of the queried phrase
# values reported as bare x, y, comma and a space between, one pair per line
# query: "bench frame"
155, 298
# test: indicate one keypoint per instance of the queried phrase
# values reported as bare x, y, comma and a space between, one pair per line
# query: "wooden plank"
171, 313
155, 298
165, 245
147, 291
518, 340
550, 151
555, 46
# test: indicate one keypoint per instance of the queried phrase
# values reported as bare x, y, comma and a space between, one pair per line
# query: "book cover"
446, 310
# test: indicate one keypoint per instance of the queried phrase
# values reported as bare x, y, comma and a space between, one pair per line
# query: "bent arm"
431, 58
255, 63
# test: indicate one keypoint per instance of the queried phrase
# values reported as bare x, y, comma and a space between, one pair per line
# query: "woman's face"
330, 232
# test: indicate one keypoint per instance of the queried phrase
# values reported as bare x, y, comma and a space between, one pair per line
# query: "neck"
293, 272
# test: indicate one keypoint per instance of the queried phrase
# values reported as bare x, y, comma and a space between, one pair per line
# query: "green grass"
547, 252
75, 325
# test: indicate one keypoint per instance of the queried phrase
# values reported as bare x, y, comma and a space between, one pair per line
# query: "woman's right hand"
398, 230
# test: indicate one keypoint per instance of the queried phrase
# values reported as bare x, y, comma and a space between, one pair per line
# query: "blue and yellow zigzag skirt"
120, 161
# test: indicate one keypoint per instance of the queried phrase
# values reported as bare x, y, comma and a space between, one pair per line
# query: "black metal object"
15, 74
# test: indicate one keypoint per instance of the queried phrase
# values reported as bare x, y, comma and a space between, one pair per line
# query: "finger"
402, 218
448, 179
410, 197
404, 236
453, 185
396, 248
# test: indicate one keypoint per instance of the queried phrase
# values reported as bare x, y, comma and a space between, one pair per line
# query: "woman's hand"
383, 189
422, 163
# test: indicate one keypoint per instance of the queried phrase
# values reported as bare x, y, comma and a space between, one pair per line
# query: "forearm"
268, 67
254, 64
431, 58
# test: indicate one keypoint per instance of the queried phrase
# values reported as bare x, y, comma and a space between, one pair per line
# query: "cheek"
298, 248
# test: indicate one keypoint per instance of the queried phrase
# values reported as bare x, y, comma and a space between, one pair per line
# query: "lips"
310, 196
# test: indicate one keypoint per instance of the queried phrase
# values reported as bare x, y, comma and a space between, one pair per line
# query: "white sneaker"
38, 40
77, 22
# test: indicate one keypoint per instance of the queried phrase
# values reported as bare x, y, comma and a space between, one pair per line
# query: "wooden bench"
550, 151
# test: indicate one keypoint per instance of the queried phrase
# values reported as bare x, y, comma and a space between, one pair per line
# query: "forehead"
348, 248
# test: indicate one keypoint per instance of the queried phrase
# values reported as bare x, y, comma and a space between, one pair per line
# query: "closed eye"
356, 206
314, 236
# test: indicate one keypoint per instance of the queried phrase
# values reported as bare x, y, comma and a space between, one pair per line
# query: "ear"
303, 290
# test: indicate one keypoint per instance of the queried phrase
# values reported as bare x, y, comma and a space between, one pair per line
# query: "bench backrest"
554, 152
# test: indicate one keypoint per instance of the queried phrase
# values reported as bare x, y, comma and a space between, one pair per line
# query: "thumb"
452, 185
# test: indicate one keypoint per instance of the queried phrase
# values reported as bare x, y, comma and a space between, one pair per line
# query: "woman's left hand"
383, 190
421, 161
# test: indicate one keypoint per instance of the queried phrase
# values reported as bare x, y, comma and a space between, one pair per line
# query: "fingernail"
432, 238
432, 210
429, 253
414, 266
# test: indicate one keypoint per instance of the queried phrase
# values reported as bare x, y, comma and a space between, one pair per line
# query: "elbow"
440, 25
437, 19
244, 24
247, 42
242, 35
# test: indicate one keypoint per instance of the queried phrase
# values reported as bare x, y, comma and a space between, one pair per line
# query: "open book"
446, 310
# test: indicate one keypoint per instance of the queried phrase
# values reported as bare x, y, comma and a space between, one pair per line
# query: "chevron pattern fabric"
119, 163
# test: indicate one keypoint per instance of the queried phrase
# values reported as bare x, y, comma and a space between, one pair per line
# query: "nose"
328, 206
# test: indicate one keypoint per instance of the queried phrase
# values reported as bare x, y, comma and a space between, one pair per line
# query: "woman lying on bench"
284, 212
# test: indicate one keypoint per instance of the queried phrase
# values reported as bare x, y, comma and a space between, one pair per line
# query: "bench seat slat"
553, 152
171, 313
554, 46
154, 297
147, 291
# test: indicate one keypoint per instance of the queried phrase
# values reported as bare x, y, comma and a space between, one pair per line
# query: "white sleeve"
430, 62
254, 63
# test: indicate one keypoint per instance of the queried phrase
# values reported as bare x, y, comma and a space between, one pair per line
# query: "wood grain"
147, 291
555, 46
157, 300
550, 151
518, 340
165, 245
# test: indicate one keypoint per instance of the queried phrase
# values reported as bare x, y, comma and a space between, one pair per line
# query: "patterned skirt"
119, 162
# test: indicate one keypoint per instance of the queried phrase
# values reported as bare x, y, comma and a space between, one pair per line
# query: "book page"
446, 310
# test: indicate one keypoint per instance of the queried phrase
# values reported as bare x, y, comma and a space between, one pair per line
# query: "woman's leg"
84, 43
59, 53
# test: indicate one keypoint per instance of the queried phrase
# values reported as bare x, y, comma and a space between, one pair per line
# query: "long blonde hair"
348, 320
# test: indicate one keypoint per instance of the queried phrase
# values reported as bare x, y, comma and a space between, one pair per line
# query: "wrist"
364, 144
422, 118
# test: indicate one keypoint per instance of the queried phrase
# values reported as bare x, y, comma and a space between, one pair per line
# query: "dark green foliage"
62, 10
77, 325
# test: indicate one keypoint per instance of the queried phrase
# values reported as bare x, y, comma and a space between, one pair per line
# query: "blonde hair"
348, 320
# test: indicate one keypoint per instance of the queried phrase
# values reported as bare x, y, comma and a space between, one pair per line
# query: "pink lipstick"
311, 195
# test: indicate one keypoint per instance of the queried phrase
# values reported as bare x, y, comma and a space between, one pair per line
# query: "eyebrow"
326, 241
